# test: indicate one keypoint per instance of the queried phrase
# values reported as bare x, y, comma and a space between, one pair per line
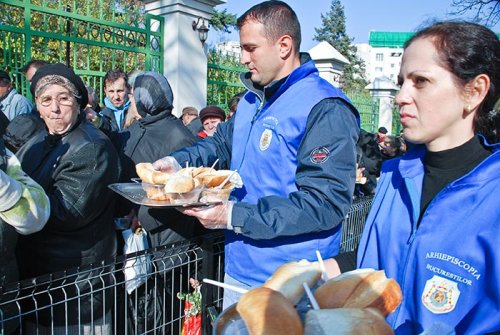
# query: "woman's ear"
477, 90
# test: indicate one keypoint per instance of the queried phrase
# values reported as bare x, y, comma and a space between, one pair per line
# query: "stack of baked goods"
188, 184
355, 302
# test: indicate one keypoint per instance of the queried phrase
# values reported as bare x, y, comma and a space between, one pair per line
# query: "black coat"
74, 170
147, 140
8, 265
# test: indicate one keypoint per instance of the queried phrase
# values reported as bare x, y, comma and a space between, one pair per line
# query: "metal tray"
134, 193
229, 322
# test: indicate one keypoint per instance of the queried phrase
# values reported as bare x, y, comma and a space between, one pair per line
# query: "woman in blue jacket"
434, 224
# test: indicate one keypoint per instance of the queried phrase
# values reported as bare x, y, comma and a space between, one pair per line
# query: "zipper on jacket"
415, 210
259, 109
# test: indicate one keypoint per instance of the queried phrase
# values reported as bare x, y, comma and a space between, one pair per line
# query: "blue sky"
361, 16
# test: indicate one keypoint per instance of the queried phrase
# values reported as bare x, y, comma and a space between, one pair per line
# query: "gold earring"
468, 109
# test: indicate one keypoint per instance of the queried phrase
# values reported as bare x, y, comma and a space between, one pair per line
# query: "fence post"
208, 268
383, 89
185, 57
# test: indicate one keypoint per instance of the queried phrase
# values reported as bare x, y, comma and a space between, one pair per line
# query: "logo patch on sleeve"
319, 155
440, 295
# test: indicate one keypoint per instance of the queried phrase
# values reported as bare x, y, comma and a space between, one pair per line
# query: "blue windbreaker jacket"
296, 156
448, 268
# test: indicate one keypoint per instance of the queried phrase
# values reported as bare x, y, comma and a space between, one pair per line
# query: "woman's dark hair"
278, 19
468, 50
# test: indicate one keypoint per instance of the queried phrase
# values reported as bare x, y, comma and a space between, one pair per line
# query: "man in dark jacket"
116, 101
191, 120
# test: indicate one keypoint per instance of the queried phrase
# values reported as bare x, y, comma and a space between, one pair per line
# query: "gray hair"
54, 79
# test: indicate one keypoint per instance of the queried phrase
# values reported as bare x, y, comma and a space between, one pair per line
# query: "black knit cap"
62, 70
4, 75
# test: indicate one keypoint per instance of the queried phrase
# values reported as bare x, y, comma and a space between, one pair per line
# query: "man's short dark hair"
36, 63
278, 19
382, 130
113, 75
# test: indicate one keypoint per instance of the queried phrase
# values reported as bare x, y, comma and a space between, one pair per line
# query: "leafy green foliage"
224, 71
333, 31
223, 21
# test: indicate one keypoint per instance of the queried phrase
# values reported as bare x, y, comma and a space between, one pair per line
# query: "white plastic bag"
136, 268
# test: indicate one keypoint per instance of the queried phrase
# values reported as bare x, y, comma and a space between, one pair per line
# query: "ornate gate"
91, 36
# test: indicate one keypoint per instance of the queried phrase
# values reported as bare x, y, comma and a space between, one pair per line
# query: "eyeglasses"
62, 99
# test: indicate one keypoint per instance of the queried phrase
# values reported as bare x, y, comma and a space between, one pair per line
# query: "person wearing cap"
74, 162
191, 120
210, 117
11, 102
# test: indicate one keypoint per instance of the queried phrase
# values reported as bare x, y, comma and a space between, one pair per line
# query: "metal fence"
91, 36
94, 299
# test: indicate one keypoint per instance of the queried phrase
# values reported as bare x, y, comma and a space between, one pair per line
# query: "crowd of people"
296, 141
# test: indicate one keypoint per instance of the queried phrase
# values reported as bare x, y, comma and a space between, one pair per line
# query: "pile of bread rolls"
185, 184
355, 302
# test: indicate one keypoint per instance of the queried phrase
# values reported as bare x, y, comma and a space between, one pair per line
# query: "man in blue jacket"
293, 141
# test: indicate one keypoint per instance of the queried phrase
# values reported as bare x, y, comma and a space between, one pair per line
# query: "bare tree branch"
484, 11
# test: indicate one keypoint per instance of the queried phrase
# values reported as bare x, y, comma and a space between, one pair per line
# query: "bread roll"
179, 183
346, 321
360, 289
202, 170
289, 278
215, 178
335, 292
149, 175
268, 312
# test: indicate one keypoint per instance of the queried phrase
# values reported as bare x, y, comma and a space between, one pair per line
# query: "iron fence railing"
94, 299
91, 36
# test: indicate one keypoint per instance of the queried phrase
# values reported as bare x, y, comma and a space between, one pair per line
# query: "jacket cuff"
10, 191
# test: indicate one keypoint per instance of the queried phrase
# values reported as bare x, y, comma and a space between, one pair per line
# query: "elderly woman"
434, 224
74, 162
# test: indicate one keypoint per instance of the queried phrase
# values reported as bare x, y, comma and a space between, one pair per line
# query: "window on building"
379, 57
378, 69
393, 65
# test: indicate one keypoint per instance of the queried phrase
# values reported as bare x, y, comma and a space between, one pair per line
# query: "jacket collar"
411, 164
274, 89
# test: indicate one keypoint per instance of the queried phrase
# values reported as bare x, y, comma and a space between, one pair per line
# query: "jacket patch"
440, 295
265, 139
319, 155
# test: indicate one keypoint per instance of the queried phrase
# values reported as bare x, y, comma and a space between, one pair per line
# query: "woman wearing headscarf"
156, 134
74, 162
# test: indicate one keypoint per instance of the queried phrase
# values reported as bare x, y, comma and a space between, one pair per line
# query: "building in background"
382, 55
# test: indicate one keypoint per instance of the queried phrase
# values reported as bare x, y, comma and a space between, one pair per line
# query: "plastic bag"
136, 268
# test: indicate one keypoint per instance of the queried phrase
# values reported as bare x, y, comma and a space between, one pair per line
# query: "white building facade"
383, 53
